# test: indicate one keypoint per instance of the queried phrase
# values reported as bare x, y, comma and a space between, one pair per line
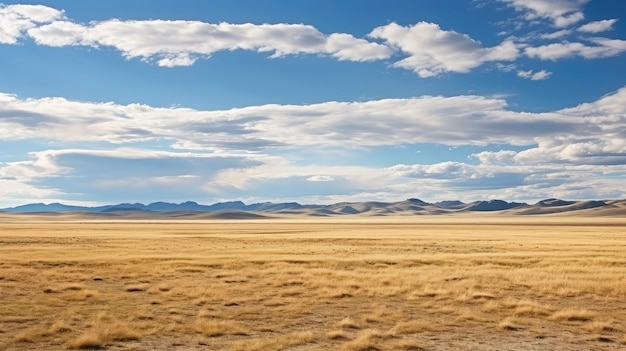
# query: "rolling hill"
409, 207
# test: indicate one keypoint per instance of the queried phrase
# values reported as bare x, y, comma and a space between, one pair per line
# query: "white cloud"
604, 48
562, 13
448, 120
320, 178
496, 157
564, 149
558, 34
541, 75
443, 170
597, 26
181, 43
456, 120
430, 51
15, 19
433, 51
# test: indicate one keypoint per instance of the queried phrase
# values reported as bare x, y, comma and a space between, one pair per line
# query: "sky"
311, 101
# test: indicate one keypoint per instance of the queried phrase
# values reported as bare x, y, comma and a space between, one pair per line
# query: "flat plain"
350, 283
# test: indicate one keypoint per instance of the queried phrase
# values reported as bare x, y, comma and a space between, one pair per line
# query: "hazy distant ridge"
407, 207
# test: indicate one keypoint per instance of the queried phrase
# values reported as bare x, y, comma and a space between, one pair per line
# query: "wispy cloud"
181, 43
540, 75
603, 48
597, 26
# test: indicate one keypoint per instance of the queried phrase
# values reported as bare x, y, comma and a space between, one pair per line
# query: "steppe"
460, 282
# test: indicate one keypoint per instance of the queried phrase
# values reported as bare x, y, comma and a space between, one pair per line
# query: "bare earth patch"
357, 284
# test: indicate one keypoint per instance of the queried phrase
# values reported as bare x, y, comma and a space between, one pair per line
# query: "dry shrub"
572, 315
274, 343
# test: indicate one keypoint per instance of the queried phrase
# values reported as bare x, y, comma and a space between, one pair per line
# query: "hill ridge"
411, 206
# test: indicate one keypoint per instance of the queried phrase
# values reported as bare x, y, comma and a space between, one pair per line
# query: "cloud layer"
260, 153
181, 43
424, 48
456, 120
561, 153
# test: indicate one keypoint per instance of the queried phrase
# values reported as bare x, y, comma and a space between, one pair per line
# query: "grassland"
357, 284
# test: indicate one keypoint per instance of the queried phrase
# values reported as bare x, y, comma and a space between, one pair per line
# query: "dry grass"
280, 342
102, 331
578, 315
368, 340
357, 284
219, 328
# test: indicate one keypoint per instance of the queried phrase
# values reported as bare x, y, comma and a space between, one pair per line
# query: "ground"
350, 283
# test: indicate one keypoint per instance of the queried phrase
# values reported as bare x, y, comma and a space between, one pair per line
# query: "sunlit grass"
373, 284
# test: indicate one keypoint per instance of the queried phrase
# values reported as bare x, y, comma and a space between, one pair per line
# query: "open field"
355, 284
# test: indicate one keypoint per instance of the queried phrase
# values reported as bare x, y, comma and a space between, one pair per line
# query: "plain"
350, 284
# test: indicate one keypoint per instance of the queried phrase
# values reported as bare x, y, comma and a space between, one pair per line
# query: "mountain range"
238, 209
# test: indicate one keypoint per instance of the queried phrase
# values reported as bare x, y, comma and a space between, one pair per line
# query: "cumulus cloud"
182, 43
540, 75
15, 19
433, 51
597, 26
562, 13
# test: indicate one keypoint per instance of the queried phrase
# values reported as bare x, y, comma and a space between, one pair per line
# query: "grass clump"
103, 331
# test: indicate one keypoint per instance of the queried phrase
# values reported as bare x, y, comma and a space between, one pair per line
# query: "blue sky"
311, 101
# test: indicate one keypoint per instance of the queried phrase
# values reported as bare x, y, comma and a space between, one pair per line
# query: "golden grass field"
348, 284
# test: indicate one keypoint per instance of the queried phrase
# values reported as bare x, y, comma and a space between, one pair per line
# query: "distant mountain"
554, 203
554, 206
54, 207
238, 209
450, 204
493, 205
